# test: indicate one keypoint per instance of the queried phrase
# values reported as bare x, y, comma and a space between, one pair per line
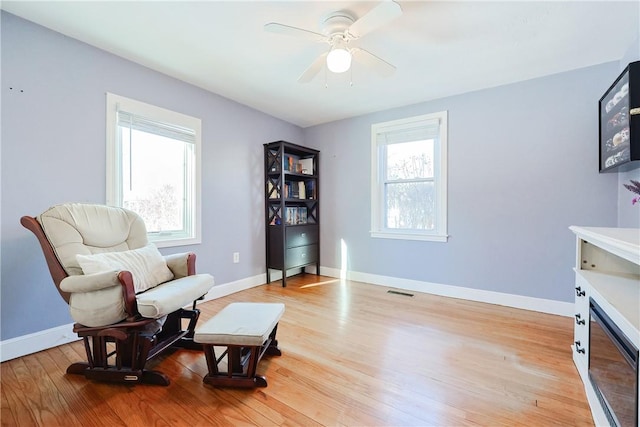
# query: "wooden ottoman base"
248, 331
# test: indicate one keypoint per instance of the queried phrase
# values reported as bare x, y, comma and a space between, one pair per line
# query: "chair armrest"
181, 265
93, 282
90, 282
129, 294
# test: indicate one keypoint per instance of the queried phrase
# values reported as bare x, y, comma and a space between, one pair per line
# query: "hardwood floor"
353, 355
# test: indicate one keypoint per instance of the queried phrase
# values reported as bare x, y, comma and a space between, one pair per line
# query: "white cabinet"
607, 272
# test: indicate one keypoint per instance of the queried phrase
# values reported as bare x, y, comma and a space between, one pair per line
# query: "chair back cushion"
86, 229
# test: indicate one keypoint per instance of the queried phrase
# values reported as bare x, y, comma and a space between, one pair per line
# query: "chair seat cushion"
146, 264
240, 323
170, 296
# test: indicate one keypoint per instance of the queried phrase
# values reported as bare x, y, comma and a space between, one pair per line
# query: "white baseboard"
37, 341
277, 274
219, 291
509, 300
42, 340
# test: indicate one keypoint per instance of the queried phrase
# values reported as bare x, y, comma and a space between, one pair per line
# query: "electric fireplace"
613, 368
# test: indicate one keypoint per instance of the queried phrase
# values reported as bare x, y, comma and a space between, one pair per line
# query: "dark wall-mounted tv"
620, 120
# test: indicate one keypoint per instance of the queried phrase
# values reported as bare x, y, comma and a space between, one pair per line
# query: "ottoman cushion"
240, 323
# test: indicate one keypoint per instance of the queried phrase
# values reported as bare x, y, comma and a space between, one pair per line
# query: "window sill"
410, 236
170, 243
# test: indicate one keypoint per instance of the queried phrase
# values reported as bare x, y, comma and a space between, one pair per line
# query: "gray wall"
53, 151
523, 167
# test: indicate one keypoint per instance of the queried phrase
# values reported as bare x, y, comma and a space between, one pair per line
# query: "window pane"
409, 160
410, 205
154, 179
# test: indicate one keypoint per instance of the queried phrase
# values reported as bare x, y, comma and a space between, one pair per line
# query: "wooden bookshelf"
292, 217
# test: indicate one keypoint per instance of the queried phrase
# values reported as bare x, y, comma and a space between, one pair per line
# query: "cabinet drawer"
301, 235
301, 255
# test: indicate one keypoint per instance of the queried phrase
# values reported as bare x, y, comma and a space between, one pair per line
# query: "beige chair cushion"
146, 264
168, 297
80, 228
240, 323
98, 308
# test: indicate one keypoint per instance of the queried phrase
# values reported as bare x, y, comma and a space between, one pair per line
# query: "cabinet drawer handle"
580, 292
303, 234
579, 319
303, 255
578, 349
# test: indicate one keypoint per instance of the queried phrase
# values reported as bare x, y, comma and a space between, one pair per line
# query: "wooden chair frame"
242, 363
136, 339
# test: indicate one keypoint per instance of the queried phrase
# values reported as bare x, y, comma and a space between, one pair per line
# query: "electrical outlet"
236, 257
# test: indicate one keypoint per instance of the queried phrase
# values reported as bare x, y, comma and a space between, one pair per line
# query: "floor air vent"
406, 294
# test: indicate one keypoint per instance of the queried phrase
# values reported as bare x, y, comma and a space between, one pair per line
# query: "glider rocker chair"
126, 298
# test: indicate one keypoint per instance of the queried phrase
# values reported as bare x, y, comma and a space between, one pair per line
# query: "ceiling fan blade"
375, 18
313, 69
287, 30
377, 64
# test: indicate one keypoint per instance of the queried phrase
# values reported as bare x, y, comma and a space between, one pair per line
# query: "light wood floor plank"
353, 355
87, 407
39, 395
15, 411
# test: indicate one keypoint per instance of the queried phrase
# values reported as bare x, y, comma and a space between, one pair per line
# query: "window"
409, 178
153, 168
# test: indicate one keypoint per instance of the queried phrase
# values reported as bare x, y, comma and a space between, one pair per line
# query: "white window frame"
192, 222
378, 173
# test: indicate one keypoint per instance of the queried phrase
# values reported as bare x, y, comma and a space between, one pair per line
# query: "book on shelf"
290, 190
310, 190
293, 191
289, 163
296, 215
290, 217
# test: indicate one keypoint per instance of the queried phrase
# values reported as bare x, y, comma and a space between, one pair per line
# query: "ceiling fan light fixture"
338, 30
339, 59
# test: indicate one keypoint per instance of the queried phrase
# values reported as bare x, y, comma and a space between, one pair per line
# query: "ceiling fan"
339, 30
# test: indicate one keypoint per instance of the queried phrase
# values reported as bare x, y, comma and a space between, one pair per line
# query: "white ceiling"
440, 48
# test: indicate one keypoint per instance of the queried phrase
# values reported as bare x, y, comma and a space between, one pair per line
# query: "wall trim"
219, 291
49, 338
37, 341
541, 305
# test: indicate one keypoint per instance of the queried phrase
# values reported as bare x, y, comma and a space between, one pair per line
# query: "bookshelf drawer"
302, 255
301, 235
